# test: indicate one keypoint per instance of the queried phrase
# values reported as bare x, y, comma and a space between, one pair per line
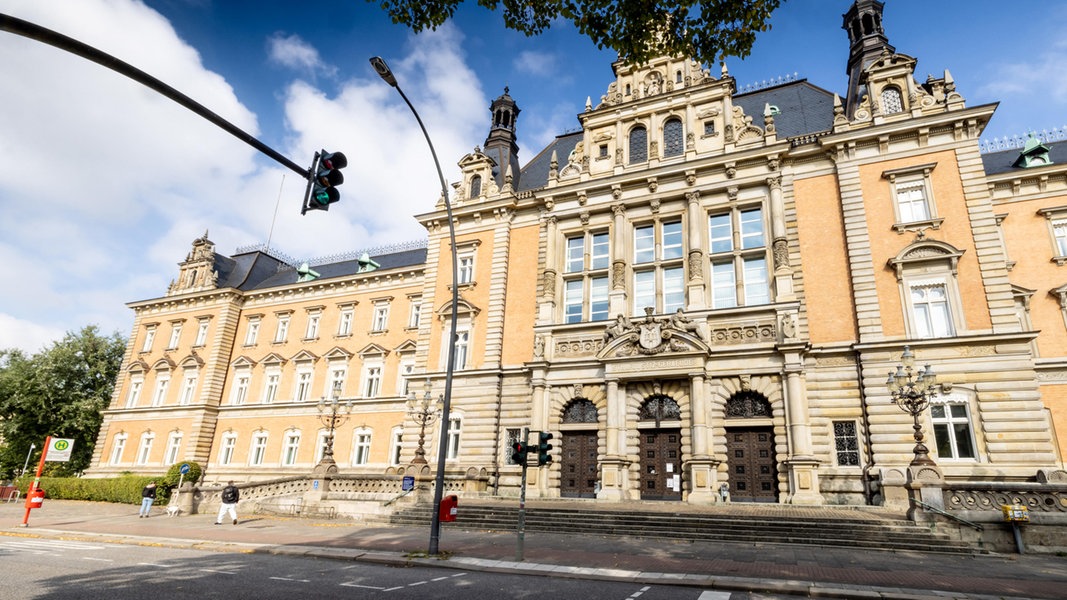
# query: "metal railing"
934, 509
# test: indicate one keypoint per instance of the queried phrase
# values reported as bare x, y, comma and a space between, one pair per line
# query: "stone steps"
771, 525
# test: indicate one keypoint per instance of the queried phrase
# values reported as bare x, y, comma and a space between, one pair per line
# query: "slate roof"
259, 271
535, 173
1001, 162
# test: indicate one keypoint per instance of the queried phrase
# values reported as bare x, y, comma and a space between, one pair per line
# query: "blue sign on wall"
408, 484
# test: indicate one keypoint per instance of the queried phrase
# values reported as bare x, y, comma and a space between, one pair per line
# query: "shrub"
126, 490
170, 480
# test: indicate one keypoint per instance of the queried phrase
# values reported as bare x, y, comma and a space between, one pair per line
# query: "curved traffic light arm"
58, 40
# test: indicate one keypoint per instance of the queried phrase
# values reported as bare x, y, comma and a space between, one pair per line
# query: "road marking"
638, 593
97, 559
155, 565
356, 585
217, 571
291, 579
714, 596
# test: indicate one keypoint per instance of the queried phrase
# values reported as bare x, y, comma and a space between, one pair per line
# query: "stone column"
546, 307
695, 285
802, 464
617, 294
613, 464
783, 273
703, 469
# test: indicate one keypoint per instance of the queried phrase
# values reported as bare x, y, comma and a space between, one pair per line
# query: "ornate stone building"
699, 288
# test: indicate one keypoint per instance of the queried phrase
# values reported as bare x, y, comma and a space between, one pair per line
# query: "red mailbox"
35, 499
448, 508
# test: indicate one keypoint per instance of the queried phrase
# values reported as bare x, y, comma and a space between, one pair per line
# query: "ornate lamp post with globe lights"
333, 414
424, 412
911, 391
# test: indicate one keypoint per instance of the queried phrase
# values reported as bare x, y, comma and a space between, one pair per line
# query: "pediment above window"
304, 356
243, 362
273, 359
337, 353
926, 252
372, 350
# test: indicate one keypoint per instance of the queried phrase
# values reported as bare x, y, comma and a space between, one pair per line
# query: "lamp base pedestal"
924, 486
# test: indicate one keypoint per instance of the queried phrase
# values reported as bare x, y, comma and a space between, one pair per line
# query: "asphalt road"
56, 569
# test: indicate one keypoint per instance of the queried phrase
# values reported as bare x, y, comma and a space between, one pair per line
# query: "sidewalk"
800, 570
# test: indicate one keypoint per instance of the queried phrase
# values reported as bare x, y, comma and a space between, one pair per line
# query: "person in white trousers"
230, 497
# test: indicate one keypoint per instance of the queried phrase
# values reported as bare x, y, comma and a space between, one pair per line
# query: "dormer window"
892, 102
476, 186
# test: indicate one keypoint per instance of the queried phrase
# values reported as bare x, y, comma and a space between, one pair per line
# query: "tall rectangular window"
282, 332
463, 339
404, 373
372, 380
930, 310
149, 337
258, 451
312, 331
252, 334
229, 443
1059, 232
303, 386
188, 389
201, 332
414, 312
175, 336
344, 324
952, 430
144, 450
135, 392
659, 270
174, 448
739, 258
361, 448
381, 317
336, 383
270, 388
240, 390
465, 264
160, 395
911, 201
117, 448
290, 448
455, 425
396, 446
846, 443
585, 286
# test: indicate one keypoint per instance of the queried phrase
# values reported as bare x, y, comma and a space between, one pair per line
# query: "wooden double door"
752, 464
578, 464
661, 464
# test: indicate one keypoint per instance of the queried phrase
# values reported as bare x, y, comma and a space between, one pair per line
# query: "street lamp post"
911, 392
446, 402
26, 464
333, 414
424, 412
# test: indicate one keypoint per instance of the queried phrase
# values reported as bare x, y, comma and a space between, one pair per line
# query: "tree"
59, 391
706, 30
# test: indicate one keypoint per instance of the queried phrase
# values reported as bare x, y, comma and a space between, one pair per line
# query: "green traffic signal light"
543, 458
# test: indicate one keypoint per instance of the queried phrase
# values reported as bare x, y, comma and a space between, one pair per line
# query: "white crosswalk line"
709, 595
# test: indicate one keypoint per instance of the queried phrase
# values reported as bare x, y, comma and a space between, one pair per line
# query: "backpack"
230, 495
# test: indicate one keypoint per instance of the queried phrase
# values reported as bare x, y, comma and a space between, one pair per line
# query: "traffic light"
518, 452
325, 177
543, 447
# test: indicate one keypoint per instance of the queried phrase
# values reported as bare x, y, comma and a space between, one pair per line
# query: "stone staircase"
737, 523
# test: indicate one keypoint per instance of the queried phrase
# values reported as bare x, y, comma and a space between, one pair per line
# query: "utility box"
1015, 513
449, 508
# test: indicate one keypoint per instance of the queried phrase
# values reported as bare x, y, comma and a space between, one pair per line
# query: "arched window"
476, 186
638, 145
673, 138
747, 405
580, 410
660, 408
892, 102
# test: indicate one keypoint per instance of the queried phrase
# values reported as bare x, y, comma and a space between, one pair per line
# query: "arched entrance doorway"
660, 448
578, 460
753, 471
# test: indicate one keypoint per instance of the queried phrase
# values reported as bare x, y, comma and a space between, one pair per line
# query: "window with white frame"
144, 449
302, 390
1059, 236
175, 335
846, 443
281, 333
463, 340
344, 321
134, 395
739, 258
586, 277
414, 311
270, 385
290, 448
372, 377
361, 447
188, 387
174, 448
952, 430
162, 382
201, 332
931, 315
336, 383
149, 338
455, 429
659, 272
312, 330
320, 445
380, 322
240, 388
396, 439
465, 266
229, 444
118, 446
913, 199
258, 450
926, 271
1056, 217
404, 372
252, 333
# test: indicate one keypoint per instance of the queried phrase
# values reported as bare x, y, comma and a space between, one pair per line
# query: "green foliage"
706, 30
170, 480
59, 391
125, 490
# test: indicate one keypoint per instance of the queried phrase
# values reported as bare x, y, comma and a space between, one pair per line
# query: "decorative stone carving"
781, 253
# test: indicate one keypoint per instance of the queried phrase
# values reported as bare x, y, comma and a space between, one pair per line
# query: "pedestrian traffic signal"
543, 447
518, 452
325, 177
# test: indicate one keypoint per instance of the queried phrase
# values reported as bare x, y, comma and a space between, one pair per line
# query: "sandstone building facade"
699, 288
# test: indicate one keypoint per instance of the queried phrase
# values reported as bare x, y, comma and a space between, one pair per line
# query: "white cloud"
27, 336
541, 64
293, 52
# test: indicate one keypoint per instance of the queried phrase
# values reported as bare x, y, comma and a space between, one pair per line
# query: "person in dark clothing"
148, 496
230, 497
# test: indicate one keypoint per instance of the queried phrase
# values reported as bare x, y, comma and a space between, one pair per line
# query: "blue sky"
103, 184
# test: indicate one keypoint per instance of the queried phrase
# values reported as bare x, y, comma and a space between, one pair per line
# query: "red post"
36, 481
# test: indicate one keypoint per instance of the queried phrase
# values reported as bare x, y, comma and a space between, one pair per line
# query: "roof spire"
867, 41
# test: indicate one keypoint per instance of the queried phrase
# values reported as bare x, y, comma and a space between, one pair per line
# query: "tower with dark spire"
867, 41
500, 145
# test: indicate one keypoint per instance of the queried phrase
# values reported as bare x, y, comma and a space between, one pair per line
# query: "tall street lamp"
446, 403
424, 412
333, 414
911, 391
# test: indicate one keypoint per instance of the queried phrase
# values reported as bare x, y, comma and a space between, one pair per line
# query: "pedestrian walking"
230, 497
148, 496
